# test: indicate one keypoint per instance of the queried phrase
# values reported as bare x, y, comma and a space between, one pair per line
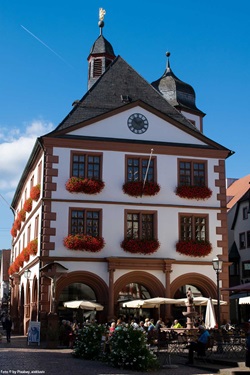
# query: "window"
85, 222
141, 225
86, 166
248, 238
242, 239
39, 173
31, 182
246, 269
245, 213
139, 168
193, 227
36, 226
192, 173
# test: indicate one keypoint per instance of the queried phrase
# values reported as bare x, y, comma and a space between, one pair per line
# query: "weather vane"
102, 13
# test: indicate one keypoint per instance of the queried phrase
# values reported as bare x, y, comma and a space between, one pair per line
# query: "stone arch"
201, 282
153, 285
92, 280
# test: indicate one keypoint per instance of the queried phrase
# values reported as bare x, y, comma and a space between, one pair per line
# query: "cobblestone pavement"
17, 357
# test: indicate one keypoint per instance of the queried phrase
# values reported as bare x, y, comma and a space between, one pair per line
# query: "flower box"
136, 188
32, 247
138, 246
13, 231
84, 242
84, 185
35, 192
21, 215
193, 192
17, 224
27, 206
26, 255
194, 248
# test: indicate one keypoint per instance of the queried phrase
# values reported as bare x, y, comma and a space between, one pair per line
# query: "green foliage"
129, 350
88, 343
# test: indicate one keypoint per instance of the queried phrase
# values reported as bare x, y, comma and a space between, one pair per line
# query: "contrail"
39, 40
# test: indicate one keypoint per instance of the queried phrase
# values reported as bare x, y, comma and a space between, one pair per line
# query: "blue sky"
44, 50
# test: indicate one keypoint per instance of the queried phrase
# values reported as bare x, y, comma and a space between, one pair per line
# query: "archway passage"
82, 285
137, 285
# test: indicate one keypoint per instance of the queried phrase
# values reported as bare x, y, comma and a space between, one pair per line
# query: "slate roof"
101, 46
105, 95
177, 92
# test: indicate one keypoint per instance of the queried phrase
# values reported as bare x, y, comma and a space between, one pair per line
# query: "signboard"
34, 332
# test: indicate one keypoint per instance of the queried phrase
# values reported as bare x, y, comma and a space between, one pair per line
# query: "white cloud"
15, 148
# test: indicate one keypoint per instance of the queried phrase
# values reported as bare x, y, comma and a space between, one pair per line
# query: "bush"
129, 350
88, 344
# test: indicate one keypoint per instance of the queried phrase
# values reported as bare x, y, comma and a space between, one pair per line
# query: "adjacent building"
125, 199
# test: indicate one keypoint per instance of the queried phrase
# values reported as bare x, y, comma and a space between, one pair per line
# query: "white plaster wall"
116, 127
113, 230
158, 274
114, 178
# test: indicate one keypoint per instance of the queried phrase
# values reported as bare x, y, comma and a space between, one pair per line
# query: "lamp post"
217, 266
27, 274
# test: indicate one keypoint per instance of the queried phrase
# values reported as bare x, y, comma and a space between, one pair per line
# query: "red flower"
193, 192
13, 231
19, 260
35, 192
32, 247
11, 269
21, 215
84, 242
136, 188
15, 266
84, 185
27, 206
17, 224
194, 248
26, 255
137, 246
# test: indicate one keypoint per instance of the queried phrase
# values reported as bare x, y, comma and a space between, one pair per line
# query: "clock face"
137, 123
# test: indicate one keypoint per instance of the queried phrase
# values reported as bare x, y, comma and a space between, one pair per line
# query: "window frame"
192, 162
248, 239
193, 216
245, 213
242, 244
86, 155
140, 213
85, 209
245, 273
141, 158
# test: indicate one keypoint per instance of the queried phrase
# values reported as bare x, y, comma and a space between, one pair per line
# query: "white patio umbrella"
137, 304
210, 321
85, 305
244, 300
156, 301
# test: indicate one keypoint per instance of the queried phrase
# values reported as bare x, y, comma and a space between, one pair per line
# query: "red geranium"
26, 255
137, 246
17, 224
13, 231
84, 185
27, 206
194, 248
138, 188
21, 215
32, 247
11, 269
193, 192
84, 242
35, 192
19, 260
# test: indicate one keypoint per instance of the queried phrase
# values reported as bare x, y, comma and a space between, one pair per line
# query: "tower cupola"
101, 54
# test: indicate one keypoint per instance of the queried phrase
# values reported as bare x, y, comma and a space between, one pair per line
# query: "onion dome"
178, 93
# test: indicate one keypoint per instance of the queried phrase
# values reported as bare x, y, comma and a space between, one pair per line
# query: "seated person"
199, 346
176, 324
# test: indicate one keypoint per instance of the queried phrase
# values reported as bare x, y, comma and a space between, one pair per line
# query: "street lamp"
27, 274
217, 266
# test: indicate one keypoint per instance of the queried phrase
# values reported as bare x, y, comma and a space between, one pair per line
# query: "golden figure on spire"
102, 13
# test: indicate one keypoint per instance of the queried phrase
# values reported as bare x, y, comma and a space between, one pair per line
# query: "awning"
244, 300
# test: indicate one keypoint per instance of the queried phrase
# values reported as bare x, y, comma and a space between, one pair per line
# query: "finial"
102, 13
168, 55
